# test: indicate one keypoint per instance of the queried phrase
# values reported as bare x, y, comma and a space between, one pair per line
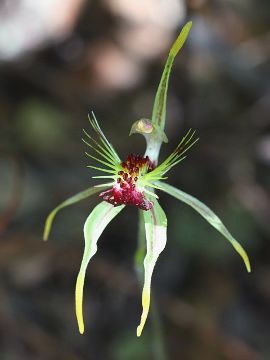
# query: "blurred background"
58, 61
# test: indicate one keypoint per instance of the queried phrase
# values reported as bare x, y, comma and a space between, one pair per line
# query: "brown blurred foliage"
58, 61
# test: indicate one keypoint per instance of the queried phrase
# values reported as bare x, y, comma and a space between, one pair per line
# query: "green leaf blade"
208, 215
95, 224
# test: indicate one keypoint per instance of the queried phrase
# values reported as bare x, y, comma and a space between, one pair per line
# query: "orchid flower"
135, 182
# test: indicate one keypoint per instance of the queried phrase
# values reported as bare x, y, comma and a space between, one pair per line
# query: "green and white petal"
156, 237
70, 201
208, 214
95, 224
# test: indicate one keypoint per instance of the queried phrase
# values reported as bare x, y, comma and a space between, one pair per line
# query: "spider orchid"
135, 182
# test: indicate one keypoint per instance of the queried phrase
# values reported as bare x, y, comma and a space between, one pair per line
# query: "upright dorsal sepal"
153, 130
160, 103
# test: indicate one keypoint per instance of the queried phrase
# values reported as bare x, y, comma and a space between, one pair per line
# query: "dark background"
58, 61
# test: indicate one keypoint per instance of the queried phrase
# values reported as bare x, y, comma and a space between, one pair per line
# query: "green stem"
158, 342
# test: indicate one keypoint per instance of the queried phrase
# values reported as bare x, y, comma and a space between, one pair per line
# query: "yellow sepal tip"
81, 329
243, 255
79, 302
146, 306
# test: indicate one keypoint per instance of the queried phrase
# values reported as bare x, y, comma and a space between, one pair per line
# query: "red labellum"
125, 191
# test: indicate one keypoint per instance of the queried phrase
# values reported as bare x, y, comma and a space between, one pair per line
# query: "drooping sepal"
70, 201
156, 237
95, 224
208, 215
